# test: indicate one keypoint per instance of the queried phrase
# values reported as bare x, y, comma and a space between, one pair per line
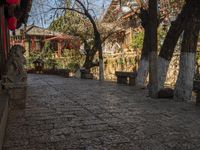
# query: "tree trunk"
170, 42
153, 80
91, 53
184, 84
143, 69
98, 46
167, 50
101, 66
88, 64
97, 42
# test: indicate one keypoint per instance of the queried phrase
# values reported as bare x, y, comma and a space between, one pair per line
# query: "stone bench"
126, 77
86, 74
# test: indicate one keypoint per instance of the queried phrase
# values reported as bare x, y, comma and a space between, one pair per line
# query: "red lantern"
13, 2
12, 23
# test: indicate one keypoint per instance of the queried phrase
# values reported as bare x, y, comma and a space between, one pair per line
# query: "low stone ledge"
3, 115
60, 72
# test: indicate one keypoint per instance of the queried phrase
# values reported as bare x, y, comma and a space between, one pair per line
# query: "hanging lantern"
12, 23
13, 2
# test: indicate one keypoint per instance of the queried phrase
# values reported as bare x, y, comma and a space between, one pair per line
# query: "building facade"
33, 38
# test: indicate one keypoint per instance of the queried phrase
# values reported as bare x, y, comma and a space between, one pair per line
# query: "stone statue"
15, 75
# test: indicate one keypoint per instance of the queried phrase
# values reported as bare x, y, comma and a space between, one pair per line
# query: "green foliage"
77, 25
73, 66
73, 24
70, 58
47, 55
50, 63
132, 61
121, 61
138, 37
31, 58
47, 51
137, 40
161, 36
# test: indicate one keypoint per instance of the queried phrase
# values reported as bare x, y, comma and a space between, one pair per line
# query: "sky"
40, 15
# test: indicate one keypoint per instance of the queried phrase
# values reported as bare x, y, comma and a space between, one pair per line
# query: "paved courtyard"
72, 114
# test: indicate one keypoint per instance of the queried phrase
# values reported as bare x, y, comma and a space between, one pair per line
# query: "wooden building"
121, 13
33, 38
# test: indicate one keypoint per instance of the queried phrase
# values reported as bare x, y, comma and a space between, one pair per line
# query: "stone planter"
17, 97
39, 65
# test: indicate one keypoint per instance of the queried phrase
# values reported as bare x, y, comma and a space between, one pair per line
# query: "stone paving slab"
72, 114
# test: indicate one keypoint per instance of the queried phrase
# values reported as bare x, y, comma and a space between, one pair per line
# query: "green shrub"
137, 40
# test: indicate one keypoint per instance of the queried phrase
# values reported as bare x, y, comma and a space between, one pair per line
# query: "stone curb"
3, 116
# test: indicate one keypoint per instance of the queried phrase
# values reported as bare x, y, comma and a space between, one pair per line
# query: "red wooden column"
59, 48
1, 43
4, 40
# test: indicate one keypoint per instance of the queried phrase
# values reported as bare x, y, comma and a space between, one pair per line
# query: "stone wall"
129, 62
118, 62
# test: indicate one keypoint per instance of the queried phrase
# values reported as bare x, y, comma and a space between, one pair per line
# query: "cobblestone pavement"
72, 114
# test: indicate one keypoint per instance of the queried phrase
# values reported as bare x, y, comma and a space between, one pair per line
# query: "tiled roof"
114, 11
35, 30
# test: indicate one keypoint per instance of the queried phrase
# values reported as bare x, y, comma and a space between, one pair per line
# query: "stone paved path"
71, 114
